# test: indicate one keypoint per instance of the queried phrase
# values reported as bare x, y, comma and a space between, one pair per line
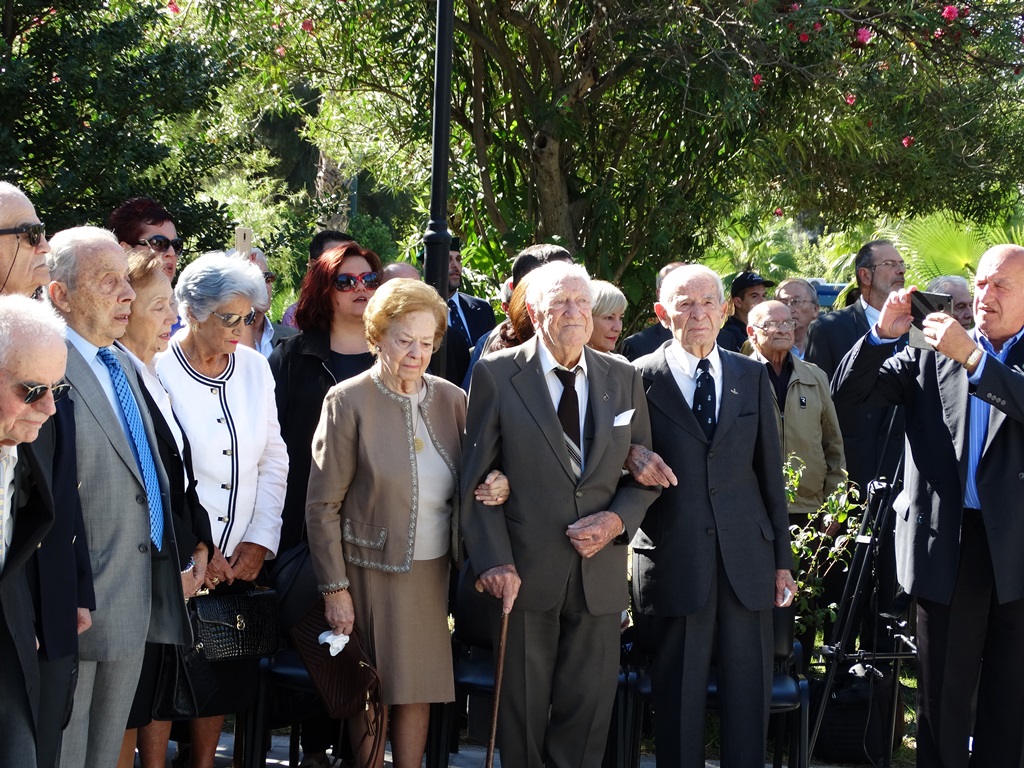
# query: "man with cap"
748, 290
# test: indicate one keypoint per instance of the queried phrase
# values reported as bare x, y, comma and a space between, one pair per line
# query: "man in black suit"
712, 557
32, 364
653, 336
469, 318
960, 518
748, 290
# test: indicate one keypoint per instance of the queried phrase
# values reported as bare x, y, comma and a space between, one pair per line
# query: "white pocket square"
624, 418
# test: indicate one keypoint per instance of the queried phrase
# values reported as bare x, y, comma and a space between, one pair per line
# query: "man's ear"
662, 314
59, 297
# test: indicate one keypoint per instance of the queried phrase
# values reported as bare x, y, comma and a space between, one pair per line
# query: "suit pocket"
902, 505
766, 528
364, 534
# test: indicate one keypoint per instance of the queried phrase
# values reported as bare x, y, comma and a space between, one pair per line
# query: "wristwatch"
973, 358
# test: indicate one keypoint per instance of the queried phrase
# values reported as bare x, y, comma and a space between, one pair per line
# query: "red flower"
908, 141
756, 80
778, 211
817, 27
804, 37
280, 51
950, 13
173, 7
307, 25
870, 123
863, 35
851, 99
794, 7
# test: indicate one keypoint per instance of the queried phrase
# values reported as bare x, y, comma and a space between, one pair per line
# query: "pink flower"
307, 25
817, 27
778, 211
863, 35
908, 141
950, 13
851, 99
756, 80
280, 51
804, 37
938, 33
173, 7
794, 7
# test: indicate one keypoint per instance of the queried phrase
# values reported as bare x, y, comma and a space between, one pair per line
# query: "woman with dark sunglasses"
222, 394
143, 222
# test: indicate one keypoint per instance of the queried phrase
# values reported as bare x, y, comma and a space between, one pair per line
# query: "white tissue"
337, 642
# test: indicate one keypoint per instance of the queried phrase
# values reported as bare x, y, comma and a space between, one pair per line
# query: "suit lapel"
533, 391
88, 392
602, 400
996, 417
953, 392
664, 394
735, 390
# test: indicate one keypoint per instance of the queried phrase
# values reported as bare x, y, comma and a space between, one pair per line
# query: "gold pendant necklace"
417, 441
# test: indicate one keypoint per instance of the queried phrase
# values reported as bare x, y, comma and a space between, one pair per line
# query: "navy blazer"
479, 317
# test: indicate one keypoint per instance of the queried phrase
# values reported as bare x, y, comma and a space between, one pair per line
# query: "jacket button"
713, 491
141, 498
1020, 476
579, 494
710, 531
143, 548
711, 454
920, 519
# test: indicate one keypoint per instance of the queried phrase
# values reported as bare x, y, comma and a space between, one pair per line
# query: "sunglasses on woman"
160, 243
36, 392
35, 232
230, 321
346, 281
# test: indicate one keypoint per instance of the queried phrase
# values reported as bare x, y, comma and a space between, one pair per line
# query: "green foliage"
88, 101
818, 547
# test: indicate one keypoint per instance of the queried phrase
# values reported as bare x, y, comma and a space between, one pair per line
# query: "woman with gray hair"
608, 308
222, 393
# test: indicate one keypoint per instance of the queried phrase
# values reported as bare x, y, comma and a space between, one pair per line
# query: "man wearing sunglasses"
23, 245
123, 491
32, 362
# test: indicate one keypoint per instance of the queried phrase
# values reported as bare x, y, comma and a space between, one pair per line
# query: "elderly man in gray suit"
712, 557
558, 419
32, 359
123, 488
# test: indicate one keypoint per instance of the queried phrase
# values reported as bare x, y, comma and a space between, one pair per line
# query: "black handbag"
236, 625
174, 698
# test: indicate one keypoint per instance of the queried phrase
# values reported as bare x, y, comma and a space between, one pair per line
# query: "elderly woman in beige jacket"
382, 511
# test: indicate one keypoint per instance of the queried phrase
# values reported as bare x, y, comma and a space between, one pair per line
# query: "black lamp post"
437, 238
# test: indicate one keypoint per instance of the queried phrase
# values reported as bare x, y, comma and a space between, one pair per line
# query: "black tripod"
875, 530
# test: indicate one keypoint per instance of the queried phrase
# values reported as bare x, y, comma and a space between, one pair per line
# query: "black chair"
790, 699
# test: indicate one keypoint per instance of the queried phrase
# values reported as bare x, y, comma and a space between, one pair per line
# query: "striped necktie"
569, 417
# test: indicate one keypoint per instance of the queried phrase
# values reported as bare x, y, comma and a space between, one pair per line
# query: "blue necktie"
137, 434
704, 398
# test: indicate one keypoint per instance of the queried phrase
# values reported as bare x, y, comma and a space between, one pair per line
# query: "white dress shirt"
8, 461
683, 366
548, 364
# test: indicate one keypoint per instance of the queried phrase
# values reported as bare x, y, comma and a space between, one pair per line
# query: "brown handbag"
348, 683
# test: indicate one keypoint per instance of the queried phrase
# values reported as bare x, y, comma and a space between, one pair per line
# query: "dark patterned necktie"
704, 398
569, 416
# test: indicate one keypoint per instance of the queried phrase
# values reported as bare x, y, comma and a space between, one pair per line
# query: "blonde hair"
607, 298
399, 297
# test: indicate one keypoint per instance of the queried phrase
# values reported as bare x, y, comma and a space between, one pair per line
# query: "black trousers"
57, 680
974, 643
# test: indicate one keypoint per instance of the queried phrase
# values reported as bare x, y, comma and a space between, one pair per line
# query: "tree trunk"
552, 192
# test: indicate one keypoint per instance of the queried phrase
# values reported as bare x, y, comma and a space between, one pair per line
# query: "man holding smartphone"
960, 518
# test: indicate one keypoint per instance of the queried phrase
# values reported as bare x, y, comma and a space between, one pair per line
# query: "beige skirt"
403, 618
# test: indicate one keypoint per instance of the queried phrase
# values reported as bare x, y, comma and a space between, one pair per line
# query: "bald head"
999, 293
22, 262
399, 269
664, 271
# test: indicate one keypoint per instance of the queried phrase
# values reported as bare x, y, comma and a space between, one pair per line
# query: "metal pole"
437, 238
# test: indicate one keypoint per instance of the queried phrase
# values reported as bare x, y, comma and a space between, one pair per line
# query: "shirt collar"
689, 362
85, 348
983, 340
870, 312
548, 362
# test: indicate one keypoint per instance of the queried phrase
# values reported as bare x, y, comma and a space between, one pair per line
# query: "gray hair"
807, 285
943, 283
68, 248
26, 320
608, 299
543, 278
9, 192
685, 273
214, 278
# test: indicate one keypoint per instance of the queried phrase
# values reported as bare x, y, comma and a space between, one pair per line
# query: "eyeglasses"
160, 243
773, 325
35, 232
230, 321
36, 392
345, 281
891, 264
796, 302
269, 278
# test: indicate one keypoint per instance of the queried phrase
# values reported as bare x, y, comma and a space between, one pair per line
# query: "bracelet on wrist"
190, 565
334, 591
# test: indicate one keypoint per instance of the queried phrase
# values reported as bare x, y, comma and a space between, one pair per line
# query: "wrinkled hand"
494, 490
192, 579
218, 571
895, 318
503, 582
648, 468
948, 337
84, 619
784, 581
339, 612
247, 560
590, 534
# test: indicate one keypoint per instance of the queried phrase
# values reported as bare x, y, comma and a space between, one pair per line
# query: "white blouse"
238, 456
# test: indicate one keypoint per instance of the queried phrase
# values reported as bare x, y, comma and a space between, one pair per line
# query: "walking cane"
498, 673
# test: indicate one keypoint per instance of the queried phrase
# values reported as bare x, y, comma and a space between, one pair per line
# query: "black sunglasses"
346, 281
160, 243
35, 232
230, 321
36, 392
